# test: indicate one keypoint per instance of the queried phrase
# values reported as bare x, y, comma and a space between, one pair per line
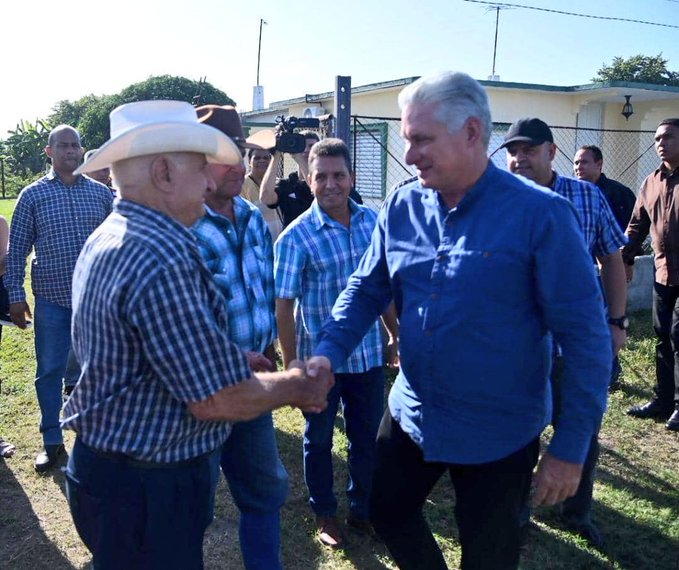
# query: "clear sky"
56, 50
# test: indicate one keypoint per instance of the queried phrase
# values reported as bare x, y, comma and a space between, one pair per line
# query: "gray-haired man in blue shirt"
481, 265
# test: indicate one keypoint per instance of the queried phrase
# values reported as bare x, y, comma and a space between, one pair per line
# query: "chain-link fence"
378, 149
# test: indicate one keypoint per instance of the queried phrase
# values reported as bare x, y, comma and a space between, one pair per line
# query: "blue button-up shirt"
314, 257
55, 219
150, 331
477, 288
240, 258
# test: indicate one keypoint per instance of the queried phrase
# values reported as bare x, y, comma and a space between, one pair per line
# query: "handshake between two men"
302, 385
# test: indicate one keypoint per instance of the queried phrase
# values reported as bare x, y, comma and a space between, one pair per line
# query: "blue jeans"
72, 371
52, 344
258, 483
362, 397
135, 517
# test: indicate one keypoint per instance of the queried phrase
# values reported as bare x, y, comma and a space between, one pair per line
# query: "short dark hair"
674, 122
251, 151
330, 147
310, 135
595, 150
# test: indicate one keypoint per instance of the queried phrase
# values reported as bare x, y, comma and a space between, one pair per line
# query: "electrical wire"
502, 5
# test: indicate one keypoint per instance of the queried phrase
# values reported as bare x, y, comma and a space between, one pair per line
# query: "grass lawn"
636, 507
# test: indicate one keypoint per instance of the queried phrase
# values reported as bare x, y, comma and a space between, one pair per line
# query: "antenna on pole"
258, 90
259, 47
496, 8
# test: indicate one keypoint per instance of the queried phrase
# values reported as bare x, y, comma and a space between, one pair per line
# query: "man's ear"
162, 172
48, 150
473, 130
552, 151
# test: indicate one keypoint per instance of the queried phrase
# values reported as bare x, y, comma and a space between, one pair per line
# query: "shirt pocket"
484, 281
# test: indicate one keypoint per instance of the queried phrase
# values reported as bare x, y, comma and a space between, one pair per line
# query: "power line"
495, 4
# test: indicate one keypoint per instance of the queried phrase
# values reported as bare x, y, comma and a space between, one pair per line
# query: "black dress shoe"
589, 532
48, 457
652, 409
673, 423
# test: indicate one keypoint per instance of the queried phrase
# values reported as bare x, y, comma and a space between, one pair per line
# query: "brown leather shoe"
361, 525
329, 532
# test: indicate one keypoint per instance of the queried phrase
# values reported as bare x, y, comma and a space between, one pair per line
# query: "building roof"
603, 91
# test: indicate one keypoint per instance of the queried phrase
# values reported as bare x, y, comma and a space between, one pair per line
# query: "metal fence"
378, 150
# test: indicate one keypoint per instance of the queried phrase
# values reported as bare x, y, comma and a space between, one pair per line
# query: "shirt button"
434, 296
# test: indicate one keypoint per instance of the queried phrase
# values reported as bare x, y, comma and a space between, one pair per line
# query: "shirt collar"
473, 194
320, 218
52, 175
666, 172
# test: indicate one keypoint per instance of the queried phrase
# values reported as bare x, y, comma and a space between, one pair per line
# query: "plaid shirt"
602, 233
240, 259
314, 258
55, 219
150, 331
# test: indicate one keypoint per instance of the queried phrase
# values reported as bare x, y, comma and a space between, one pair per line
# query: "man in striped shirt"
54, 215
161, 381
235, 243
314, 258
530, 152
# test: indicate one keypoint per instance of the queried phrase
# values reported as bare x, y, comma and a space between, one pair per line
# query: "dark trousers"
135, 517
666, 325
489, 498
577, 510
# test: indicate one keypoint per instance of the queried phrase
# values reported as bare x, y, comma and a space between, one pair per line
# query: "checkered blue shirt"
602, 233
240, 259
150, 331
314, 257
55, 219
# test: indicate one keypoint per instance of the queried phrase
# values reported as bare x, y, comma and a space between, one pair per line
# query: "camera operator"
291, 194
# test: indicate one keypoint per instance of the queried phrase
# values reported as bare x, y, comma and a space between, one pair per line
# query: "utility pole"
497, 8
258, 90
259, 47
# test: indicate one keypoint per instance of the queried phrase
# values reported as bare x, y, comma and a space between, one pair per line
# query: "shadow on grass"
23, 544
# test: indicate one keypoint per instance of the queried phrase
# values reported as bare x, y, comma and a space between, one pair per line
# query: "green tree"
90, 115
639, 69
71, 112
24, 149
177, 88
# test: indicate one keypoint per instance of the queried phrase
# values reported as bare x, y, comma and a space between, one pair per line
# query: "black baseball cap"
530, 130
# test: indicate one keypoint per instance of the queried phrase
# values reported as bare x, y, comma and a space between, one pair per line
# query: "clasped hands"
318, 379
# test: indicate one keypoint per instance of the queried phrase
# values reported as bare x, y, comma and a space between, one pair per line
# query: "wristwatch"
621, 322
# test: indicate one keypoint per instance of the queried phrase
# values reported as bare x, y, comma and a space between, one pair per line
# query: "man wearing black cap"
530, 152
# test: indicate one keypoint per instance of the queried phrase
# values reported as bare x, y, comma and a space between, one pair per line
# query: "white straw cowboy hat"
152, 127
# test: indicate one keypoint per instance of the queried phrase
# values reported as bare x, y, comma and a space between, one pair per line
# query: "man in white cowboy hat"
54, 216
237, 247
161, 381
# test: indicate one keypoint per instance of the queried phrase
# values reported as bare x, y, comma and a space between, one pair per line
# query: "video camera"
287, 140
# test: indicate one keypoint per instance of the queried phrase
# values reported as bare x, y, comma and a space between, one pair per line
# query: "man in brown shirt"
656, 211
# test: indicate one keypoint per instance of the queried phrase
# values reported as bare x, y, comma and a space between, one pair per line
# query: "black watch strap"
620, 322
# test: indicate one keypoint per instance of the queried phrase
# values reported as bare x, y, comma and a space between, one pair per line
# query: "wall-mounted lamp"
627, 109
